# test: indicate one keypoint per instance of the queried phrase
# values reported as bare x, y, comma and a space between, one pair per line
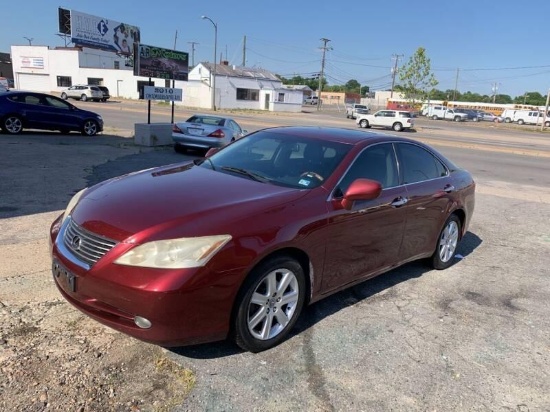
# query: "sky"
479, 46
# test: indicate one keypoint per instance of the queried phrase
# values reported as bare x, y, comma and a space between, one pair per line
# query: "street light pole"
213, 82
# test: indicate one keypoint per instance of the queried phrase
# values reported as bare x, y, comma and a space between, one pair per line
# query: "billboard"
98, 32
150, 61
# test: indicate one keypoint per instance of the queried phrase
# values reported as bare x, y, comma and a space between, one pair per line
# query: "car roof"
336, 134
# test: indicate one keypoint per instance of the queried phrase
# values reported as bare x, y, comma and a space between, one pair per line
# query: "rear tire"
507, 120
434, 117
447, 243
269, 304
64, 96
83, 97
12, 124
179, 148
397, 127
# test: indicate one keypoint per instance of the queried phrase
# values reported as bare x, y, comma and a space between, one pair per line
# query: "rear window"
405, 114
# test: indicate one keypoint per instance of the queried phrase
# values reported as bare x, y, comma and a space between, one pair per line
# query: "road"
473, 337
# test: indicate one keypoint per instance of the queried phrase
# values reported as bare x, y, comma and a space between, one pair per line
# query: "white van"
525, 117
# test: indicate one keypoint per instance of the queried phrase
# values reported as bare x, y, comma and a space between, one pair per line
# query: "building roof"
300, 87
240, 71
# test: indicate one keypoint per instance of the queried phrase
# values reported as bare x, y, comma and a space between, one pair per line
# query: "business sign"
32, 62
162, 93
150, 61
99, 32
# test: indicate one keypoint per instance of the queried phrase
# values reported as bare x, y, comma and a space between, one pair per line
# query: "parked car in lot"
491, 117
237, 243
106, 94
443, 112
472, 115
395, 119
311, 100
83, 92
203, 131
353, 110
28, 110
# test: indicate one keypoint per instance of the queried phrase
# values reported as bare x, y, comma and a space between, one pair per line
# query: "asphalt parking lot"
473, 337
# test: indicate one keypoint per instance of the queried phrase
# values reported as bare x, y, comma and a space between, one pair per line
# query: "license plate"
194, 132
64, 276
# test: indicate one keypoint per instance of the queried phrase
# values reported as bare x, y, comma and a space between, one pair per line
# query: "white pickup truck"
442, 112
356, 109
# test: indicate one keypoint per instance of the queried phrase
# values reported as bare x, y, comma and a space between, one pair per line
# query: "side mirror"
244, 132
361, 189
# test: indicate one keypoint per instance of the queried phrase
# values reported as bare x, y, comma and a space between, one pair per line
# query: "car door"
367, 238
62, 114
378, 118
33, 111
429, 197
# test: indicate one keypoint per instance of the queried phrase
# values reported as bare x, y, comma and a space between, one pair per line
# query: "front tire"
269, 304
520, 121
64, 96
457, 119
83, 97
12, 124
89, 128
364, 123
447, 243
434, 117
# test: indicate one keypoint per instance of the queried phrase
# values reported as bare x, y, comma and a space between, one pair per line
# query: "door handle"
449, 189
400, 201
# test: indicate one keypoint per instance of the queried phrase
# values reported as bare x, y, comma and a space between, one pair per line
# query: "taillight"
218, 133
176, 129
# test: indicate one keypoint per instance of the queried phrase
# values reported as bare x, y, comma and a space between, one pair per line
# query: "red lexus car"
235, 244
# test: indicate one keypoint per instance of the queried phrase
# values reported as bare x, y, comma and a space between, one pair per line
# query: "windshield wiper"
255, 176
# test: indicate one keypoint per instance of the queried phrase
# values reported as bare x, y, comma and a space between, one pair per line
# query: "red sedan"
235, 244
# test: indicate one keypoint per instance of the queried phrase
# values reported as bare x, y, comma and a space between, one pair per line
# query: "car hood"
174, 201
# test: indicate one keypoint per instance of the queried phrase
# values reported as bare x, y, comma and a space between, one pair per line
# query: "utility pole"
394, 71
244, 52
456, 85
324, 48
192, 43
545, 111
495, 89
174, 80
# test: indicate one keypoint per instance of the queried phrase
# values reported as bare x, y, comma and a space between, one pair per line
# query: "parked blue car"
29, 110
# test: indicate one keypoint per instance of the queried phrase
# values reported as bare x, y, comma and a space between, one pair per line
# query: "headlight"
175, 253
72, 203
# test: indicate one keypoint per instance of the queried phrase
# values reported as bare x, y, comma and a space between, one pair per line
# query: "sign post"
160, 93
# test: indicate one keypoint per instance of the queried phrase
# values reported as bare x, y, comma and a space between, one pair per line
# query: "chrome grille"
86, 245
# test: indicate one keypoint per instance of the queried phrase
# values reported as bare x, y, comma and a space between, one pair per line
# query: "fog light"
142, 322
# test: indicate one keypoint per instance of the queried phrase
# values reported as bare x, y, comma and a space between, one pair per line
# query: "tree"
416, 77
353, 86
533, 98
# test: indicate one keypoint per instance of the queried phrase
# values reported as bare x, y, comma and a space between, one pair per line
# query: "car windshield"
281, 159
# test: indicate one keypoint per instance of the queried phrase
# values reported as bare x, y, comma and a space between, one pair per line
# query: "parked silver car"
203, 131
83, 92
490, 117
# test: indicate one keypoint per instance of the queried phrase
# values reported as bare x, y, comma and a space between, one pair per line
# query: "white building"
40, 68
